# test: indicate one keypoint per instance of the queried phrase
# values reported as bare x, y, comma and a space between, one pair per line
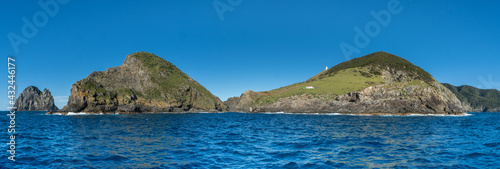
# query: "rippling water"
242, 140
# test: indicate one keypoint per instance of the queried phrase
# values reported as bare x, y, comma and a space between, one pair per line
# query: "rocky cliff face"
143, 83
362, 86
32, 99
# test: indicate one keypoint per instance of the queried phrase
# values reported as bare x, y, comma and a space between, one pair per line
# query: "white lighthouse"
326, 68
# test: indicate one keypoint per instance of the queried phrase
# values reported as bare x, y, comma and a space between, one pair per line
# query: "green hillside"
344, 81
381, 60
483, 100
352, 75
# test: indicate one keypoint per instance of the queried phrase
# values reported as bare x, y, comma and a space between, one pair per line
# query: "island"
143, 83
32, 99
376, 84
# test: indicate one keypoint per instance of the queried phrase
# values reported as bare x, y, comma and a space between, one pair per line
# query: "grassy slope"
343, 82
156, 65
175, 79
382, 60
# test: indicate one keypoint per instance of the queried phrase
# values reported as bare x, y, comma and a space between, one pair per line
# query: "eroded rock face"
244, 103
32, 99
143, 83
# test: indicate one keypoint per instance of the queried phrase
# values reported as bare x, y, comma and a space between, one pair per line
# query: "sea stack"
32, 99
377, 84
143, 83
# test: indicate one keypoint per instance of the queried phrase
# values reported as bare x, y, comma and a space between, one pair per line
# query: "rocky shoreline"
104, 113
322, 113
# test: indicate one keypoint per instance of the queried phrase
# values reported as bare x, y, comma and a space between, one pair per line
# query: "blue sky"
258, 45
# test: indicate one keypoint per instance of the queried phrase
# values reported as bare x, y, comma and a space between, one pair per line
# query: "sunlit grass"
342, 82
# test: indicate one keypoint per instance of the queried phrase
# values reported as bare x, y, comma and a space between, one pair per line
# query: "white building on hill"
310, 87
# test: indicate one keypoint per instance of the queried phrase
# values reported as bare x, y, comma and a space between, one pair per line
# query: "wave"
79, 114
354, 114
441, 115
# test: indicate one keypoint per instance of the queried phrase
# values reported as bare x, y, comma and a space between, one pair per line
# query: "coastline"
323, 113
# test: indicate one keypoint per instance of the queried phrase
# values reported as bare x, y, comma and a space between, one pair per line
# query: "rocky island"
143, 83
377, 84
32, 99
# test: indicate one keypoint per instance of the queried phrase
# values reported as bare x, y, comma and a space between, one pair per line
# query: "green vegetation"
344, 81
96, 90
486, 99
352, 75
125, 92
92, 86
164, 73
147, 81
170, 80
381, 60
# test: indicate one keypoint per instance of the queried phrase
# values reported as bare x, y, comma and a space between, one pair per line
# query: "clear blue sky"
259, 45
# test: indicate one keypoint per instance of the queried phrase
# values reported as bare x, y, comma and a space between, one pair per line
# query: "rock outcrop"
480, 100
143, 83
379, 83
32, 99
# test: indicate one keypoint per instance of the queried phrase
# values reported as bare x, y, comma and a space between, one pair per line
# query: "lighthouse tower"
326, 68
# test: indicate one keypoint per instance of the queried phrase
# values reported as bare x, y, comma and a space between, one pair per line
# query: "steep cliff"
379, 83
143, 83
32, 99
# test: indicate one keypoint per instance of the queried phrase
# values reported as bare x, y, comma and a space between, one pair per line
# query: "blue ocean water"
243, 140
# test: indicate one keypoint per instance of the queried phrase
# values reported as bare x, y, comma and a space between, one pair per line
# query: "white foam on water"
329, 114
383, 115
73, 113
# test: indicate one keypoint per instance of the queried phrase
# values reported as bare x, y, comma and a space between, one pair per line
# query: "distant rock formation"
480, 100
379, 83
32, 99
143, 83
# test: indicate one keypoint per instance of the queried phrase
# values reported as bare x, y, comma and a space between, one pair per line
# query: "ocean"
251, 140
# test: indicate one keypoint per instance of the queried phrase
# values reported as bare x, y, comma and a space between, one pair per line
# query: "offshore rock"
32, 99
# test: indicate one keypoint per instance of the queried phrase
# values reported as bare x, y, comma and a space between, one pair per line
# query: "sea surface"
244, 140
